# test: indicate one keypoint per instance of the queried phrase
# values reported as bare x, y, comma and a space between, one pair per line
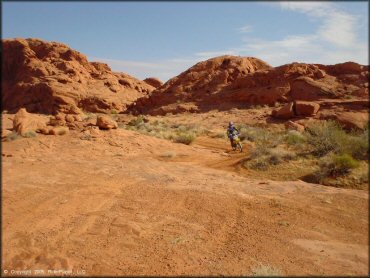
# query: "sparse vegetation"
259, 135
336, 153
30, 134
185, 138
294, 138
184, 134
266, 270
326, 137
13, 136
263, 157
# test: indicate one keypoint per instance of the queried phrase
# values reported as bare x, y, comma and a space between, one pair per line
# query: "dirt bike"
236, 143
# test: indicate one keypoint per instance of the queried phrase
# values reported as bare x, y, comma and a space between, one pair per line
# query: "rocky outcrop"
296, 108
204, 84
238, 82
50, 77
154, 82
104, 122
349, 120
25, 122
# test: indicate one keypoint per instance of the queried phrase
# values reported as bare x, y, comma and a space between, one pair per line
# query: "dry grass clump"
262, 157
178, 133
266, 270
13, 136
337, 153
295, 138
30, 134
185, 138
329, 136
259, 135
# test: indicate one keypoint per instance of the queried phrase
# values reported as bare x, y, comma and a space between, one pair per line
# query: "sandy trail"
121, 205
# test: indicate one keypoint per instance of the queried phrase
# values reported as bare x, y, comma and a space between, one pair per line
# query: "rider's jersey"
232, 131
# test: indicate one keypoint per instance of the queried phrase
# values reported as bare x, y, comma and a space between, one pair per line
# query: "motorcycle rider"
231, 132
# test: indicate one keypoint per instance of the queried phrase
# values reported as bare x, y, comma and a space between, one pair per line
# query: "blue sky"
162, 39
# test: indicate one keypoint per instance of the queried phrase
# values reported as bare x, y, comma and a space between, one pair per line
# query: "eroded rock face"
25, 122
349, 120
237, 82
154, 82
203, 84
50, 77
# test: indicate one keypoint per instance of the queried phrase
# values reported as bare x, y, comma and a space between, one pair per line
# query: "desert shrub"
30, 134
114, 111
280, 154
294, 137
326, 137
336, 165
266, 270
260, 163
262, 157
259, 135
329, 137
87, 137
358, 145
13, 136
137, 121
185, 138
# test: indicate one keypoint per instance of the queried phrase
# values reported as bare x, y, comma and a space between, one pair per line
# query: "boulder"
104, 122
60, 130
353, 120
50, 77
306, 108
286, 112
69, 118
294, 126
25, 122
45, 130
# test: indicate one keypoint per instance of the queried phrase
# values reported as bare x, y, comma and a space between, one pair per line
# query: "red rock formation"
228, 81
152, 81
204, 83
48, 77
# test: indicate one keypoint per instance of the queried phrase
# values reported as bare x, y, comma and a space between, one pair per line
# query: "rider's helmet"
231, 124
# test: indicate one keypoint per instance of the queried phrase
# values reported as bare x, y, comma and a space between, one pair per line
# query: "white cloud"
210, 54
245, 29
336, 40
337, 27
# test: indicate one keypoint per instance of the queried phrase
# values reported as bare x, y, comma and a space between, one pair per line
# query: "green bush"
358, 145
329, 137
337, 165
326, 137
259, 135
30, 134
294, 137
